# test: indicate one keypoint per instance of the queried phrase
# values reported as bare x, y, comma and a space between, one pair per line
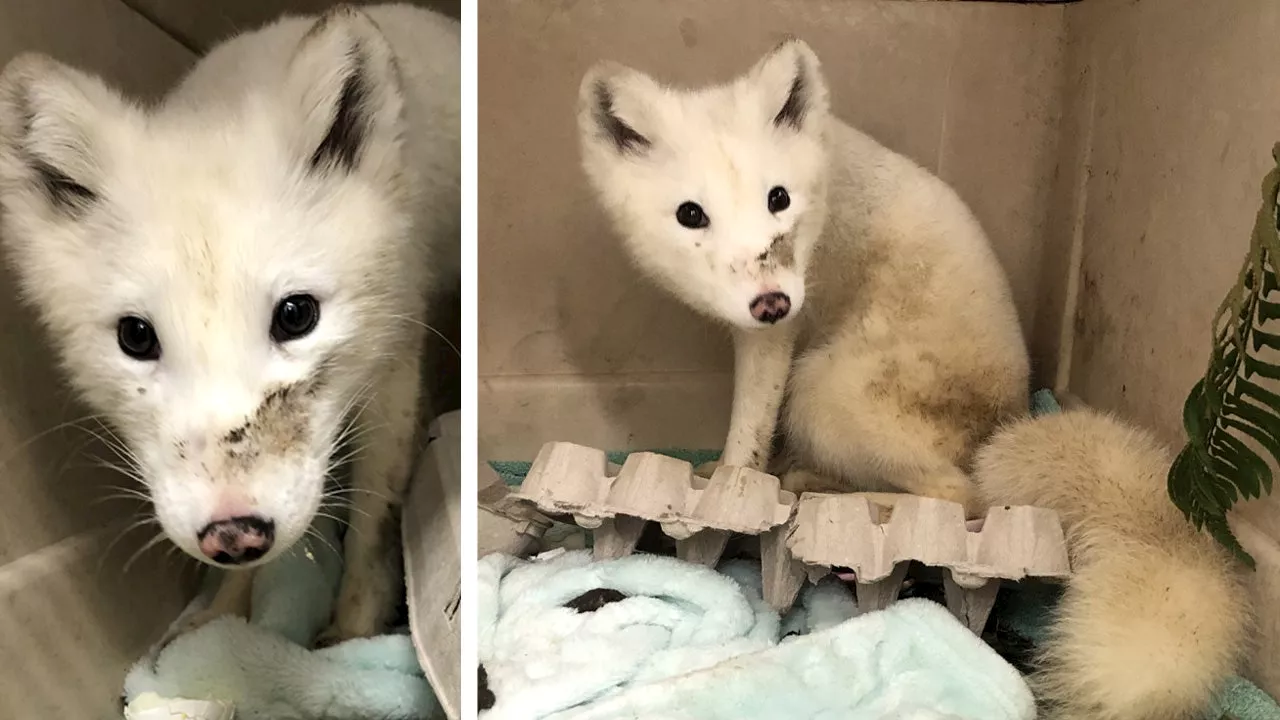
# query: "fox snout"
237, 540
770, 307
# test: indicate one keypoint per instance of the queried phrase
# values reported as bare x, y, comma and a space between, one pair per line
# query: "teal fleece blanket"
565, 637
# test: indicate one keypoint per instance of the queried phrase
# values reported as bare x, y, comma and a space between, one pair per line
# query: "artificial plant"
1230, 416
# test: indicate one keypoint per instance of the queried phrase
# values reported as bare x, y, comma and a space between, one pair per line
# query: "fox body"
870, 317
236, 278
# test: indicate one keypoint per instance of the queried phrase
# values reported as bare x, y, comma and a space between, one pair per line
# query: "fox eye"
690, 215
137, 338
294, 317
779, 200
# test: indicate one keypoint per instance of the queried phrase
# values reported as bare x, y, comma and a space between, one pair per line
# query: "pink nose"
237, 540
770, 307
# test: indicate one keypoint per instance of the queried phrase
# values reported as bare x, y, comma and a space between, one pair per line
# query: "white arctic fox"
837, 263
231, 275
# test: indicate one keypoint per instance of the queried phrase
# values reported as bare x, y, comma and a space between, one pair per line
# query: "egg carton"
700, 513
874, 535
504, 524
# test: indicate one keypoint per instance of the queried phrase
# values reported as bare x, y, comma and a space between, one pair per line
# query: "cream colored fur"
1156, 614
243, 186
902, 349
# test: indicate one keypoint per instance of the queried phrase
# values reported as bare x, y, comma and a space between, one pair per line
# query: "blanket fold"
564, 637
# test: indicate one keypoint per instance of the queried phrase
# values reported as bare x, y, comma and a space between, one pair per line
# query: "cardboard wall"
573, 344
1170, 122
70, 619
198, 25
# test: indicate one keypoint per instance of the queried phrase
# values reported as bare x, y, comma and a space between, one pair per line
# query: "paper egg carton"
505, 524
852, 531
875, 535
700, 513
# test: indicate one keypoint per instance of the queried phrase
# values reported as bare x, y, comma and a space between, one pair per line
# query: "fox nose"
237, 540
770, 307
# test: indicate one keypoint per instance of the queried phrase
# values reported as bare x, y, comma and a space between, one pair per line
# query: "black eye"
294, 317
779, 200
690, 215
137, 338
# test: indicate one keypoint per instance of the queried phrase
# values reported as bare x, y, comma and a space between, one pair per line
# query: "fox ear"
613, 108
791, 85
54, 121
345, 85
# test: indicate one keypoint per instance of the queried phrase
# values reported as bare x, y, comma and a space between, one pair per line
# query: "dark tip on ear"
323, 22
341, 145
793, 110
63, 192
624, 137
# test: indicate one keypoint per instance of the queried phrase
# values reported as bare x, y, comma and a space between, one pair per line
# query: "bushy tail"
1155, 616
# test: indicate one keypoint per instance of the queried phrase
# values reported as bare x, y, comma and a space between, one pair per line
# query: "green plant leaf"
1254, 366
1264, 339
1216, 468
1249, 468
1268, 311
1221, 531
1179, 482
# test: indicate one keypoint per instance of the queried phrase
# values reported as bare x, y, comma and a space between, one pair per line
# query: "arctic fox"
856, 283
1155, 617
237, 277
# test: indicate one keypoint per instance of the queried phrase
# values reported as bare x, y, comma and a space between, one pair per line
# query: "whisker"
118, 496
343, 461
341, 522
353, 508
337, 507
130, 474
353, 438
13, 452
157, 539
362, 395
312, 532
437, 333
76, 451
344, 491
147, 520
365, 430
362, 398
131, 466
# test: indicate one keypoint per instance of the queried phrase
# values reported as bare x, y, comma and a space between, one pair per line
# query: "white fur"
902, 349
1156, 614
207, 213
717, 147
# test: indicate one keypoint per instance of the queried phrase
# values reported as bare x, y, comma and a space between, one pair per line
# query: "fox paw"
361, 612
332, 635
337, 633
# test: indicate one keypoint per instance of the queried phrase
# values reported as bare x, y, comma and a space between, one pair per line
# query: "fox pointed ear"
54, 123
791, 85
345, 84
613, 106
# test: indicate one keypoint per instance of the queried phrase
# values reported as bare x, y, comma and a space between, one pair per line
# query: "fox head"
219, 279
719, 193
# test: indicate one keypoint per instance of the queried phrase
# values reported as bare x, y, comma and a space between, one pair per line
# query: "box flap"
432, 528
